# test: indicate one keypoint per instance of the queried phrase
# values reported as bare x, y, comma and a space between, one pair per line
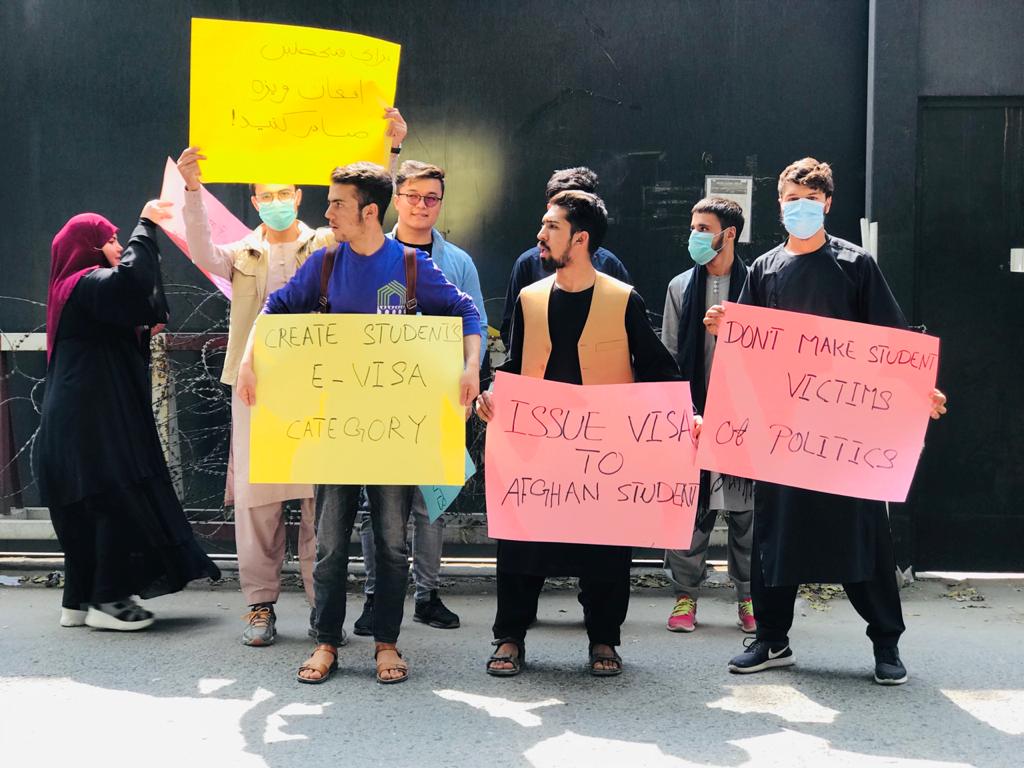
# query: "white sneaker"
69, 617
130, 618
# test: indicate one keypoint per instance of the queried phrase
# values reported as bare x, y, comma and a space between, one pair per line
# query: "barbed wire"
193, 408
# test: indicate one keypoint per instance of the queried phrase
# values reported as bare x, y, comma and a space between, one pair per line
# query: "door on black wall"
967, 504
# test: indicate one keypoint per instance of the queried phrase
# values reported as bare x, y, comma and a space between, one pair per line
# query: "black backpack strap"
323, 305
410, 280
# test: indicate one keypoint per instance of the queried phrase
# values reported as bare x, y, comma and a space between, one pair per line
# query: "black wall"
964, 510
499, 93
647, 93
927, 48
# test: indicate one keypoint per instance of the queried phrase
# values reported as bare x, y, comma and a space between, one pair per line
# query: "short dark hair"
808, 172
252, 188
580, 178
372, 182
585, 212
414, 169
728, 212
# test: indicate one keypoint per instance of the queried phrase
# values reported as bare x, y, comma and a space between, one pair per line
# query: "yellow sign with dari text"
279, 104
358, 399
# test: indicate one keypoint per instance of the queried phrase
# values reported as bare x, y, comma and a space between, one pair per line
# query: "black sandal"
597, 657
518, 661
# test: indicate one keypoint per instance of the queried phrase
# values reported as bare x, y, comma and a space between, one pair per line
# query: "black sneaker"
889, 670
759, 655
434, 613
364, 624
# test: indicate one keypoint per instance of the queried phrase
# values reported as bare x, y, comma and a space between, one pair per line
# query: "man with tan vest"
257, 266
578, 326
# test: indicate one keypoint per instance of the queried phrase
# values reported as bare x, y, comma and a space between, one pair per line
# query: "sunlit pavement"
186, 693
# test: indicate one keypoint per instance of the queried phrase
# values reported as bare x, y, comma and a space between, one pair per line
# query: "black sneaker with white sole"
759, 656
889, 670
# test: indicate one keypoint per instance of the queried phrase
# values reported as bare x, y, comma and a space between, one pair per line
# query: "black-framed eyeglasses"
284, 195
414, 199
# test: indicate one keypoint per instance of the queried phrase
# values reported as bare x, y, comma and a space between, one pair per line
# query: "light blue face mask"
700, 246
803, 217
278, 215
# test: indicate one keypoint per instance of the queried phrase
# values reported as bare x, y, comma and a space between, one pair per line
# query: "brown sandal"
596, 658
400, 666
311, 666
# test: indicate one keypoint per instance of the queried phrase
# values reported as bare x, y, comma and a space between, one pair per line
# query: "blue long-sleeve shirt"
374, 284
460, 270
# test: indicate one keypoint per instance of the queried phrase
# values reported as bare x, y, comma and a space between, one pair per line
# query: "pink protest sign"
817, 403
601, 464
224, 227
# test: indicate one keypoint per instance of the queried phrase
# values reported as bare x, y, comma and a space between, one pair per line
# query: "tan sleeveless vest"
603, 345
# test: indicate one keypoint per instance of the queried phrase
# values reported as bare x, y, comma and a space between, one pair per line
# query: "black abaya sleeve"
130, 294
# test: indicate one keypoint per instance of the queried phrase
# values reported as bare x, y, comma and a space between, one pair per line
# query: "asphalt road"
186, 693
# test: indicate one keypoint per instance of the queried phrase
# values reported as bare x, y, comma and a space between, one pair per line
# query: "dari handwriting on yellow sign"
354, 399
278, 104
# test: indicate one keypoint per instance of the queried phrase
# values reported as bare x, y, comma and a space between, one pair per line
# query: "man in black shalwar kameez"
803, 536
570, 328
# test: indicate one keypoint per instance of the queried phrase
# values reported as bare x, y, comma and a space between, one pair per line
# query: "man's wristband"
396, 150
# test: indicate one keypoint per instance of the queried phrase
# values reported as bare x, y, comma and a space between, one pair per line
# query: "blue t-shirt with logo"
373, 285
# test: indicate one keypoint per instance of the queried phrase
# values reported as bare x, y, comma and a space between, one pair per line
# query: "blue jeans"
336, 507
427, 541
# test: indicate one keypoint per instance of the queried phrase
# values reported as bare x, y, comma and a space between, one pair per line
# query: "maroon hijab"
76, 251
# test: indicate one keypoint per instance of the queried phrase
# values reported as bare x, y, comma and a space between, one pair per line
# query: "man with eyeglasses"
419, 192
257, 266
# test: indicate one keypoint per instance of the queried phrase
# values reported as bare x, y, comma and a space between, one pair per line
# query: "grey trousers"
427, 541
687, 568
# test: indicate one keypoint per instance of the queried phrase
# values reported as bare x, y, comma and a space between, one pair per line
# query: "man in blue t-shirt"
530, 268
368, 277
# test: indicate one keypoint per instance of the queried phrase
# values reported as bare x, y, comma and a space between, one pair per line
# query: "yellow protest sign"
279, 104
358, 399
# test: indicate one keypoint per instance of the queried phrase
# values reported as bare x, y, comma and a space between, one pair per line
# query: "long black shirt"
567, 315
806, 536
97, 430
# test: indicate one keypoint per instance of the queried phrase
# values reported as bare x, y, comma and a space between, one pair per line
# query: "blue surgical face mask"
803, 217
700, 247
278, 215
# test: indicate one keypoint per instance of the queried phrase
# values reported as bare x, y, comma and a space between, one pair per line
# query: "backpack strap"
323, 305
410, 280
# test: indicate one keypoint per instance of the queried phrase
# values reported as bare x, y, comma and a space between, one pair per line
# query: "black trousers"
604, 606
877, 601
97, 546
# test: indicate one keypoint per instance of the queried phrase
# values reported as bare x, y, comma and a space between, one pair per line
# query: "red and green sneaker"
684, 615
746, 622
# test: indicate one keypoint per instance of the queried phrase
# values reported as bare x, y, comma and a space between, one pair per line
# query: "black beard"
548, 264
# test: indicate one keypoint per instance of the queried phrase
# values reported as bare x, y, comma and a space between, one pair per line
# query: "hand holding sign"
188, 167
224, 226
